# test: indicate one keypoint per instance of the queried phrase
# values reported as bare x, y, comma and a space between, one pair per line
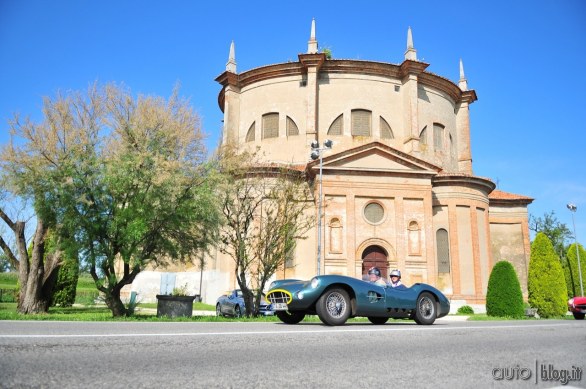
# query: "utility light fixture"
317, 152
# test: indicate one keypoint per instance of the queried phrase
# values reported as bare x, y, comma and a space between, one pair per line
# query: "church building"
397, 188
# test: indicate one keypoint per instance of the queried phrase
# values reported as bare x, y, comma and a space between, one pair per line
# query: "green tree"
571, 270
546, 281
5, 265
557, 232
265, 211
123, 178
504, 297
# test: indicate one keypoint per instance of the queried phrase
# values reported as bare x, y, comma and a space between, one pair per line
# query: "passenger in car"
396, 280
374, 276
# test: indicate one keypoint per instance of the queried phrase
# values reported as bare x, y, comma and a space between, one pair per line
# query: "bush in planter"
178, 304
465, 310
504, 297
546, 282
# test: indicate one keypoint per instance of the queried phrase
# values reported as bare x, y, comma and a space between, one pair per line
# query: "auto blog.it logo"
543, 372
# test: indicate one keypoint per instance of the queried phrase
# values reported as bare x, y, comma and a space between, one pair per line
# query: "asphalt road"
448, 354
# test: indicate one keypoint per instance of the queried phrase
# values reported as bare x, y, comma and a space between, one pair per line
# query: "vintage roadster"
336, 298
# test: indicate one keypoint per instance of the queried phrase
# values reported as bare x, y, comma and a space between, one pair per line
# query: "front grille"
279, 296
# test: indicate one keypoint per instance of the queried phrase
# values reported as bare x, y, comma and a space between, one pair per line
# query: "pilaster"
312, 64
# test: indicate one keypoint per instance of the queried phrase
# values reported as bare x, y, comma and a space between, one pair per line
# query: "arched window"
250, 133
270, 125
290, 254
438, 137
423, 139
443, 251
361, 122
292, 129
335, 236
385, 130
414, 235
337, 126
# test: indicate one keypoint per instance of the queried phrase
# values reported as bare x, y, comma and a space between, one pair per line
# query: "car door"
230, 302
400, 298
371, 300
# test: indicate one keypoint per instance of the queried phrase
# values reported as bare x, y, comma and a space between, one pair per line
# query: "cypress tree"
546, 282
504, 297
571, 269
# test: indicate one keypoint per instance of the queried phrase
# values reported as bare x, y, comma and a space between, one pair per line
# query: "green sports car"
335, 299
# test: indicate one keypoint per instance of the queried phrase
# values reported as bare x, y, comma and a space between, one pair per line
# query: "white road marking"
329, 330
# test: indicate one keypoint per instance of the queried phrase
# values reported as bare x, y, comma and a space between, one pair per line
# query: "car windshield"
239, 293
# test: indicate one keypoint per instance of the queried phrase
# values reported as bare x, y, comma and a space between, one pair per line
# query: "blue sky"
525, 59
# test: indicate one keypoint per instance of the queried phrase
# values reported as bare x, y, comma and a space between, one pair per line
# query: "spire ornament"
463, 83
312, 43
231, 64
411, 53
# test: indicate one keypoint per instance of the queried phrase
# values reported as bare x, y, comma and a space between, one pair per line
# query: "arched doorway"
375, 256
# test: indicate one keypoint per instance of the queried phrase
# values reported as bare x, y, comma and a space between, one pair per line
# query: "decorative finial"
463, 83
312, 44
411, 53
231, 65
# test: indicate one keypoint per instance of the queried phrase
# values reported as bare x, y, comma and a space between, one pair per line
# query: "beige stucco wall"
509, 232
339, 93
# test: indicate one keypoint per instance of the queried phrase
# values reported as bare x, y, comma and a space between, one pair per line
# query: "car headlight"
299, 295
571, 302
314, 282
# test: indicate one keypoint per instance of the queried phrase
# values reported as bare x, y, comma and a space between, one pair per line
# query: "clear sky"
525, 59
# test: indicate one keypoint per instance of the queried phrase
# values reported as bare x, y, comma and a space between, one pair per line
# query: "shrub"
504, 296
571, 269
65, 287
466, 310
180, 291
546, 282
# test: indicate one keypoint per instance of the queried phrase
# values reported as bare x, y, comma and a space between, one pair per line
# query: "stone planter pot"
174, 306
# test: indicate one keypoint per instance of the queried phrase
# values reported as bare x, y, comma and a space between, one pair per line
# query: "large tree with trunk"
122, 179
38, 267
267, 210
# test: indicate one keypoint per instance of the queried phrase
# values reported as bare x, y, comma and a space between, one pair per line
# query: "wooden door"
375, 256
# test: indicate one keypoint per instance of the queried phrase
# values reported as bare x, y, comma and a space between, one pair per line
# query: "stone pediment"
376, 158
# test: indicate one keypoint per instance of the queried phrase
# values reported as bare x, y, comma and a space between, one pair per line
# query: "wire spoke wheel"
425, 312
336, 305
333, 307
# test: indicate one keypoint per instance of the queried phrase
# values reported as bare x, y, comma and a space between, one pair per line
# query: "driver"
374, 276
396, 280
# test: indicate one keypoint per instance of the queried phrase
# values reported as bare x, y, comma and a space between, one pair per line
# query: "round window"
374, 213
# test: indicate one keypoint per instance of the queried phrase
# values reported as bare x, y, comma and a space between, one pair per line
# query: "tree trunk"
36, 276
115, 304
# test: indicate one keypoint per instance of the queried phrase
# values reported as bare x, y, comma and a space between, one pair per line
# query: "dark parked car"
335, 299
577, 305
232, 304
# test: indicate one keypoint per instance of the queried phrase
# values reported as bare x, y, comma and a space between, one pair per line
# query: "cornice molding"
341, 66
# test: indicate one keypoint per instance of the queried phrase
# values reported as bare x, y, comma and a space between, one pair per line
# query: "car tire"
426, 309
218, 310
333, 307
237, 311
378, 320
290, 317
578, 315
